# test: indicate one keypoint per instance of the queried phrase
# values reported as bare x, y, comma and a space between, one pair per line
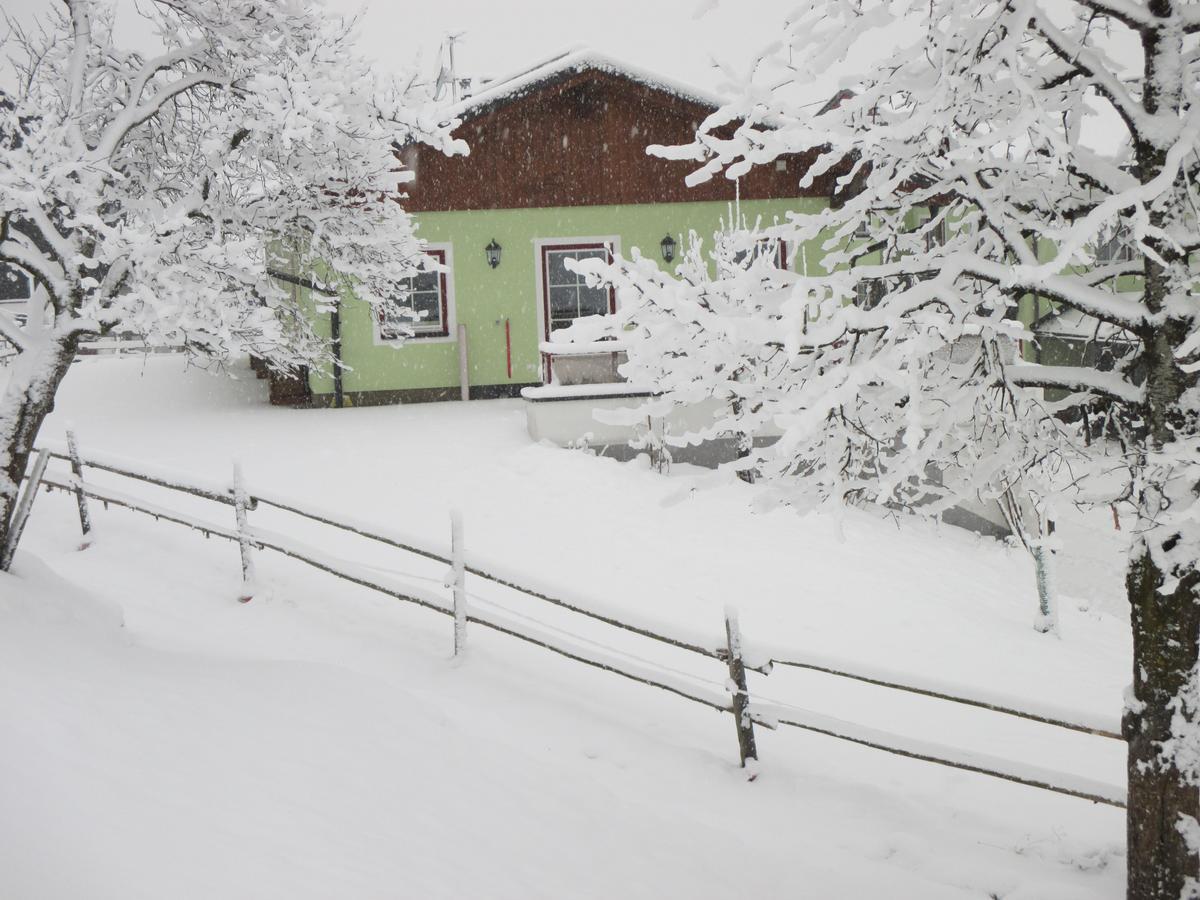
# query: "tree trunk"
27, 401
1166, 626
743, 441
1043, 566
1166, 623
1165, 629
1166, 632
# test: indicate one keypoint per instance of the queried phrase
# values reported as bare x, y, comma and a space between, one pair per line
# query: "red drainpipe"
508, 348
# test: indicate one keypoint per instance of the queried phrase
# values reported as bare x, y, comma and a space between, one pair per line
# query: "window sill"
415, 339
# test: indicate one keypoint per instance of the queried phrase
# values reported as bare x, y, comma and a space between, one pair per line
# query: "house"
558, 170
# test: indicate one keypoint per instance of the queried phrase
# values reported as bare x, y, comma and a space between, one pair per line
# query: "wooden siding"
580, 140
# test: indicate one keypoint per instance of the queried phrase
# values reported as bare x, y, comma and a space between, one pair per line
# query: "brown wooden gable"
579, 139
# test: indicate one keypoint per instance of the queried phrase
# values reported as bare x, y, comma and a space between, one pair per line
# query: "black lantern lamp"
667, 245
493, 253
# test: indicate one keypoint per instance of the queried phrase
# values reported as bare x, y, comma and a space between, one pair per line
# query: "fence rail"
488, 574
1097, 727
733, 696
102, 347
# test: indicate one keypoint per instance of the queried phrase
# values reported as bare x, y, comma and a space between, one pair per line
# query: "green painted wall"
484, 297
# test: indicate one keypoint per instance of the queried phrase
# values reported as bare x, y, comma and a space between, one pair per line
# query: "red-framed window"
781, 255
426, 296
762, 247
566, 295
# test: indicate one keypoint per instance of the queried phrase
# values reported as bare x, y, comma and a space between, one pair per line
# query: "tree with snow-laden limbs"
171, 194
968, 186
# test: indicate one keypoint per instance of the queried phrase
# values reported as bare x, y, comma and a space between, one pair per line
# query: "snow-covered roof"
520, 83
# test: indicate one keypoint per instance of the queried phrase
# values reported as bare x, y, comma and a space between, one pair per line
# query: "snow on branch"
1190, 15
1083, 59
1075, 378
965, 203
200, 197
133, 116
1123, 309
193, 184
1132, 15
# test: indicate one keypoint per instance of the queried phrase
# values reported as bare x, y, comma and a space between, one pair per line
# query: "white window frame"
451, 334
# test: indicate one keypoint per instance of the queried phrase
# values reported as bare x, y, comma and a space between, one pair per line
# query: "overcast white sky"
678, 39
669, 37
501, 36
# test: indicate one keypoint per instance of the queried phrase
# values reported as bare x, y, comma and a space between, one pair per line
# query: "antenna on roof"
447, 75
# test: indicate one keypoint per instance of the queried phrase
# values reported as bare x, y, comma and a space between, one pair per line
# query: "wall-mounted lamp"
493, 253
667, 245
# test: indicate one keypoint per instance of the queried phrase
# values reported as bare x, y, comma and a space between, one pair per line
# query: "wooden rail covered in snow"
735, 698
108, 346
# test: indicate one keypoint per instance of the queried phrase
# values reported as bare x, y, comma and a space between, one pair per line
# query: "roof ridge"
513, 76
578, 58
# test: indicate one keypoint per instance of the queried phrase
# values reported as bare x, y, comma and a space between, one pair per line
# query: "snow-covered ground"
159, 739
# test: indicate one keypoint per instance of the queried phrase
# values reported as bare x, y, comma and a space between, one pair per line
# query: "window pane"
564, 302
556, 268
556, 264
426, 281
593, 301
598, 253
428, 306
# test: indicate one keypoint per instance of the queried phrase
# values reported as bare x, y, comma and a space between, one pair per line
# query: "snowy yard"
161, 740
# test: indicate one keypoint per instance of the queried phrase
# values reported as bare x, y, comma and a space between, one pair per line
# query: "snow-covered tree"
181, 194
710, 337
968, 186
697, 336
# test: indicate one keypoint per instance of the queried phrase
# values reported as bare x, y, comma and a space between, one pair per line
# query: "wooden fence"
728, 648
109, 346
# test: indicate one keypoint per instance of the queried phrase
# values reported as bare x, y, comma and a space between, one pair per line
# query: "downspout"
508, 348
335, 325
464, 372
335, 339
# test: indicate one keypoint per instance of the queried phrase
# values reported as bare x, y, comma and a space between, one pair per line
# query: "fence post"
85, 517
459, 570
24, 505
240, 502
741, 695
